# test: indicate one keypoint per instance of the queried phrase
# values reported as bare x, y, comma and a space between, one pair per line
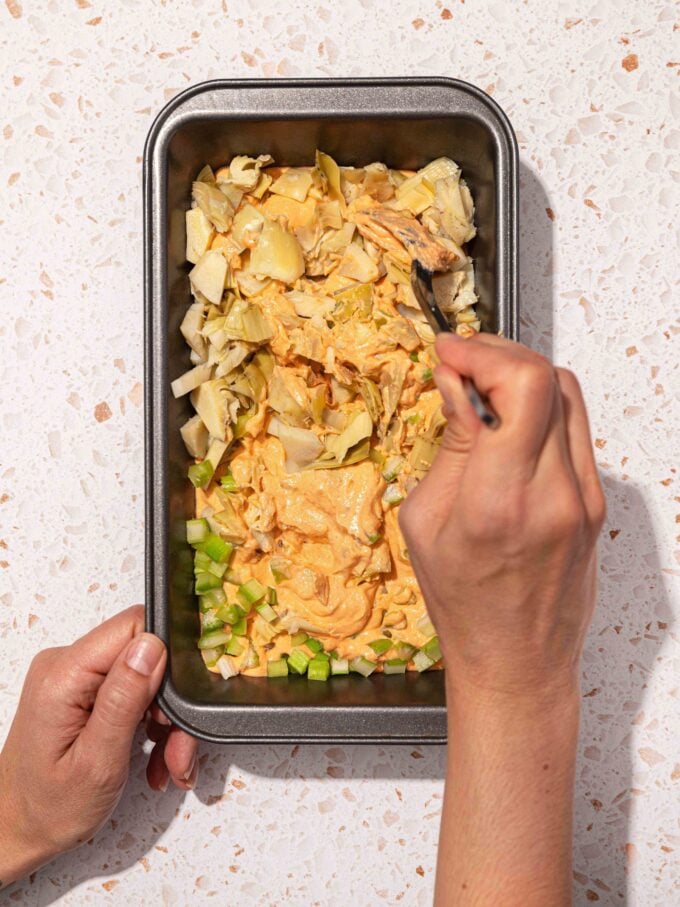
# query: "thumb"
462, 428
124, 696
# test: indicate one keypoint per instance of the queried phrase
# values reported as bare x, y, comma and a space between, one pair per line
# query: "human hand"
502, 530
66, 759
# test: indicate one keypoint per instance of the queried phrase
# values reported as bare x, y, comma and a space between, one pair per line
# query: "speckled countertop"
592, 90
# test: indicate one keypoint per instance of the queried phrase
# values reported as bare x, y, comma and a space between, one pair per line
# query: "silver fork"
421, 283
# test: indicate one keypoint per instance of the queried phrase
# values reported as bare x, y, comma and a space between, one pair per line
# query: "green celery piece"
339, 666
272, 597
200, 474
228, 483
432, 649
362, 666
210, 621
266, 612
210, 656
403, 650
217, 569
422, 661
325, 655
298, 639
231, 614
278, 575
380, 646
426, 375
240, 628
314, 645
197, 531
205, 582
234, 646
201, 562
319, 669
298, 661
251, 592
373, 538
277, 668
394, 666
214, 639
413, 356
215, 598
217, 549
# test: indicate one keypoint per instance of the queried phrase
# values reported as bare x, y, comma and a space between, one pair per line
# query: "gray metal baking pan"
405, 123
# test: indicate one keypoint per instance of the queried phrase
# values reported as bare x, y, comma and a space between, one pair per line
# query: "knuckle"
568, 516
536, 376
597, 506
119, 704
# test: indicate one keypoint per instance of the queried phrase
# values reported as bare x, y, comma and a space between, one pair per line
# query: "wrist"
21, 849
512, 710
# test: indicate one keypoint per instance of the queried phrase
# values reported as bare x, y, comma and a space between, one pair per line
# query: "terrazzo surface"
592, 90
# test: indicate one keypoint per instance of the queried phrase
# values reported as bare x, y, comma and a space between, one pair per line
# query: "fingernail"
191, 782
192, 765
144, 654
163, 786
163, 719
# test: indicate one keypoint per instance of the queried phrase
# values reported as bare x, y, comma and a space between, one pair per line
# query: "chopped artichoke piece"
327, 166
211, 402
360, 427
244, 171
208, 276
214, 204
301, 445
190, 380
191, 327
195, 437
358, 265
199, 234
277, 254
294, 183
248, 223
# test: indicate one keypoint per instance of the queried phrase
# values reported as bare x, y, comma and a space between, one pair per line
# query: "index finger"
520, 384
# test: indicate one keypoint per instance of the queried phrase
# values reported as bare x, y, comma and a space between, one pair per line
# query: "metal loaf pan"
404, 123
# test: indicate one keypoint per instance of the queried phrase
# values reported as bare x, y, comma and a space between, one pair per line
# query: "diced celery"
210, 621
362, 666
200, 474
215, 598
201, 562
426, 375
324, 655
392, 495
394, 666
373, 537
425, 625
214, 639
205, 582
403, 650
298, 661
277, 668
298, 639
278, 571
432, 649
339, 666
422, 661
251, 592
217, 569
240, 628
234, 646
272, 597
252, 658
227, 667
413, 356
380, 646
210, 656
230, 614
217, 549
314, 645
228, 483
197, 531
318, 669
266, 612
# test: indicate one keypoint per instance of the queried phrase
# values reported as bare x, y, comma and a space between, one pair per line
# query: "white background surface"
598, 130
